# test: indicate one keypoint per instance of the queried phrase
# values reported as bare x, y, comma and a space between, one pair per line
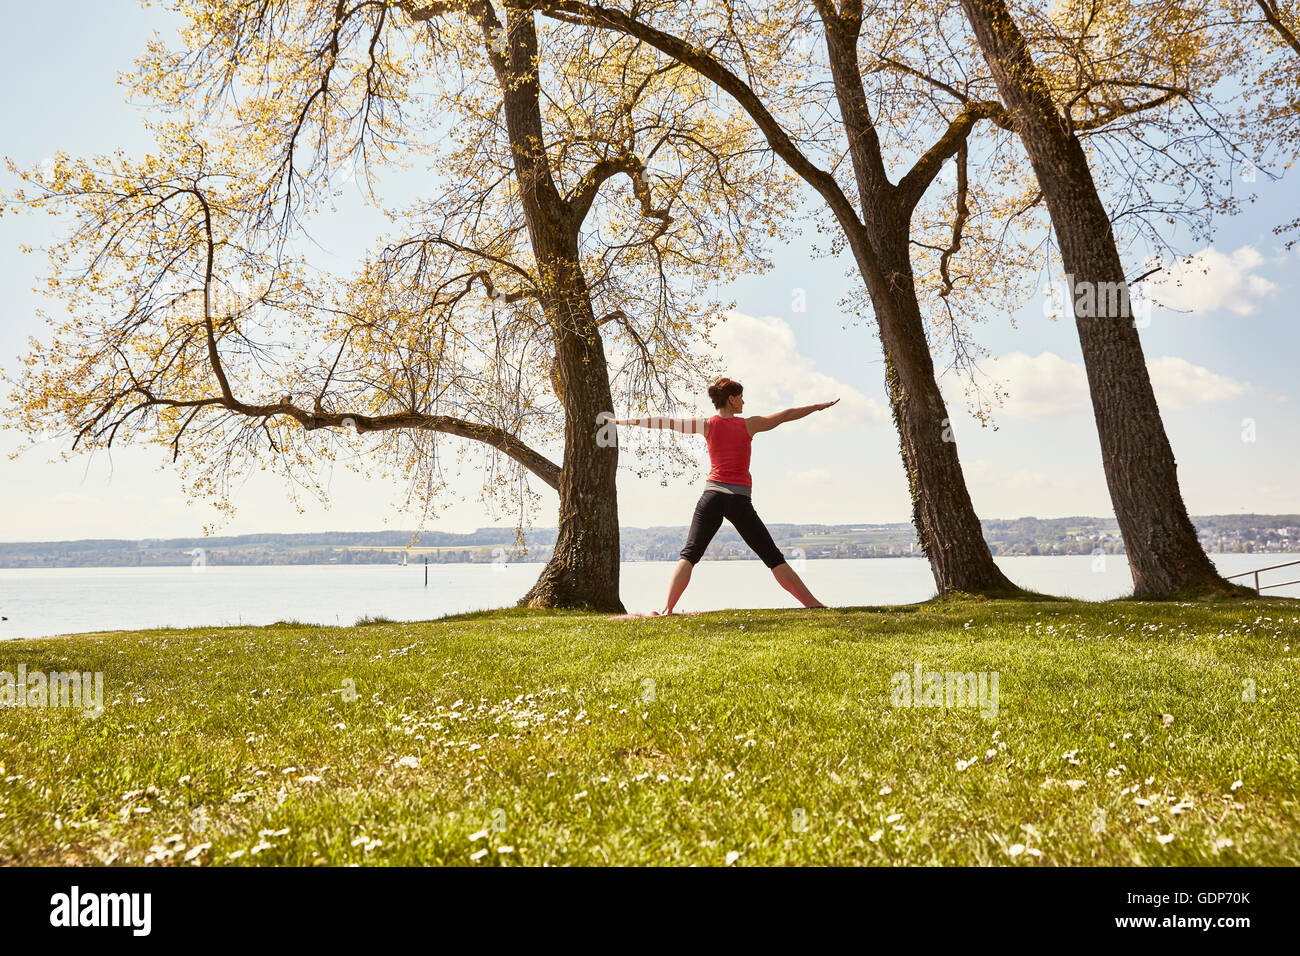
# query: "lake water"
43, 602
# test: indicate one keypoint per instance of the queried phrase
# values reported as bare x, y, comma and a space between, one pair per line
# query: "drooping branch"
499, 438
958, 221
504, 441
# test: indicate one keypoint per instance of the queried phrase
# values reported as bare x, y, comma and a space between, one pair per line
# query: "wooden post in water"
426, 570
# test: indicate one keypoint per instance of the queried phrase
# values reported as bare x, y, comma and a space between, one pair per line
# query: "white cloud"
762, 353
1180, 384
1042, 386
1210, 281
1048, 386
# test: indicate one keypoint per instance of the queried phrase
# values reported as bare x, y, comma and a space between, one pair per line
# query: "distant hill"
1006, 536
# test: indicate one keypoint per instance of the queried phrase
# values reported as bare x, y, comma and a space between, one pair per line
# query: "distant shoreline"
1012, 537
540, 561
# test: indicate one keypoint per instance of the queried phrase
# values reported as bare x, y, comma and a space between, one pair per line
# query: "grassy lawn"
746, 737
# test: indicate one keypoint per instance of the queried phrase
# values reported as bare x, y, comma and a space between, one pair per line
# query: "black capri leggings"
739, 510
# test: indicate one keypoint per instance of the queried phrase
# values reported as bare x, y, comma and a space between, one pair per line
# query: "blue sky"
1226, 356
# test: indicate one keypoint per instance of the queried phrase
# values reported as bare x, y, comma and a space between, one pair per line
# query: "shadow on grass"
1018, 596
1210, 594
954, 601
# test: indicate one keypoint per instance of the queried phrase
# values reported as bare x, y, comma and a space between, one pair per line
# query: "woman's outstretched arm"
688, 426
765, 423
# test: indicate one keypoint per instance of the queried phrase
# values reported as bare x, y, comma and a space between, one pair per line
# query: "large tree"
1164, 553
576, 211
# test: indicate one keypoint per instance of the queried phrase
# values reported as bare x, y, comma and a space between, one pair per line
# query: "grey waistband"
729, 489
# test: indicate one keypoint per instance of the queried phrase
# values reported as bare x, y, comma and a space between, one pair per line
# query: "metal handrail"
1259, 571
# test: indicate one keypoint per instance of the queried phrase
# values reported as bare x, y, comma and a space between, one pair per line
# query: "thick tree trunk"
583, 570
1164, 554
942, 511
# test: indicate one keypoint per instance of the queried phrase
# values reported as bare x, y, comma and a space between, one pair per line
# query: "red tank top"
729, 444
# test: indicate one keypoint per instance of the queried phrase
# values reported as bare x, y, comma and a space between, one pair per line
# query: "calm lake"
45, 602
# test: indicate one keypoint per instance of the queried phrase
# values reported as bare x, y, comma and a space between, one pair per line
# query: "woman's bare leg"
681, 578
789, 579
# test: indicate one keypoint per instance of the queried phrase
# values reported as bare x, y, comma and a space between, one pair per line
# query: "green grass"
758, 737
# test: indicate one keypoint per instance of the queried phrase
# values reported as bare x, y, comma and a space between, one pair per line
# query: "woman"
727, 492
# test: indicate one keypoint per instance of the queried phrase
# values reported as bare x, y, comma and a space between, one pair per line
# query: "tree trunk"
584, 568
1164, 554
942, 512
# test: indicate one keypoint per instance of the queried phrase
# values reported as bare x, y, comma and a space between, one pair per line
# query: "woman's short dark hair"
723, 389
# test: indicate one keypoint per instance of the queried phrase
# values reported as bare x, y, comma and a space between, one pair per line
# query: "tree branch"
1274, 17
917, 180
593, 14
958, 221
584, 194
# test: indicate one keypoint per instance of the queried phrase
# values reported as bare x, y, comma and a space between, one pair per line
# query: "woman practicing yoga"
727, 492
